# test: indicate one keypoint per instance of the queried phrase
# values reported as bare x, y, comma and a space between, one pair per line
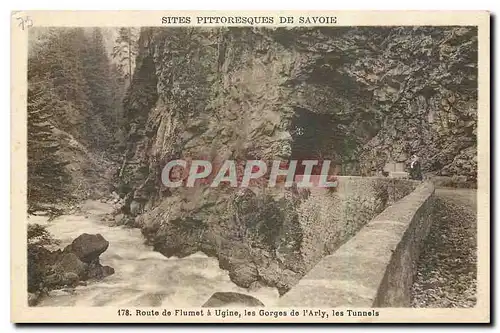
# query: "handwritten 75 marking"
26, 22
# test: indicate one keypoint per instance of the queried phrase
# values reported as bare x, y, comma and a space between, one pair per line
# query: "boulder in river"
70, 279
244, 275
70, 263
219, 299
98, 271
78, 262
88, 247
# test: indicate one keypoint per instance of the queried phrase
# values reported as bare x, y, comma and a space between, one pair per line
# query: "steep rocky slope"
358, 96
74, 101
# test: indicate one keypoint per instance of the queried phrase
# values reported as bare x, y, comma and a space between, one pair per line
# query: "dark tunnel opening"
315, 137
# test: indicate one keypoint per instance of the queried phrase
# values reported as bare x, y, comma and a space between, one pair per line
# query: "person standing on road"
415, 168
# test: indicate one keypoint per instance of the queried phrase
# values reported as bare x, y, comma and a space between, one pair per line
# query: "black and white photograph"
232, 168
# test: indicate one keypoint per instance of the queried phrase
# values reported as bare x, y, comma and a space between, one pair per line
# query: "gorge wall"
272, 237
358, 96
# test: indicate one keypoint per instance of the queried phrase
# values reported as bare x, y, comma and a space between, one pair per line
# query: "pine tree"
125, 51
47, 176
101, 120
75, 89
59, 63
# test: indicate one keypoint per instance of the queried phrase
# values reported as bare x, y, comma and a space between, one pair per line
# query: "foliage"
103, 82
39, 236
38, 255
125, 51
47, 175
73, 87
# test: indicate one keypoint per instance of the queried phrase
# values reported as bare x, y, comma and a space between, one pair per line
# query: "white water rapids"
142, 276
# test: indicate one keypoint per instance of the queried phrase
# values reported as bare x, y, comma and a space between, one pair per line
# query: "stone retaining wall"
376, 266
329, 219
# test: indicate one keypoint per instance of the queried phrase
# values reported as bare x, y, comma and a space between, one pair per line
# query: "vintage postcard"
250, 167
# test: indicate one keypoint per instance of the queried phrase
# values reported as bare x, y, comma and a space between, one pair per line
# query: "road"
447, 271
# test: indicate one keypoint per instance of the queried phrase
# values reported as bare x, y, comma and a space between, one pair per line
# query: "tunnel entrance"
315, 137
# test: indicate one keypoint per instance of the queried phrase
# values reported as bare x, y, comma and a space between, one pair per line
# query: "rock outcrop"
78, 262
220, 299
88, 247
255, 238
361, 97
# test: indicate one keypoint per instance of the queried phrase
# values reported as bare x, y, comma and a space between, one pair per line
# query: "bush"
39, 236
38, 255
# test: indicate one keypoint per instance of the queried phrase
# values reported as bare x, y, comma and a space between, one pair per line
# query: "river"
142, 276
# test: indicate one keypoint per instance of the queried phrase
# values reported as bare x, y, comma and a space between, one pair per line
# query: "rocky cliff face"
359, 96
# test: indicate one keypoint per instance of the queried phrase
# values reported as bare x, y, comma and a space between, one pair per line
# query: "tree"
47, 176
74, 93
101, 119
125, 51
58, 63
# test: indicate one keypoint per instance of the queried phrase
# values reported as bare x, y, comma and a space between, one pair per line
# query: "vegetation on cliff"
74, 103
74, 113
